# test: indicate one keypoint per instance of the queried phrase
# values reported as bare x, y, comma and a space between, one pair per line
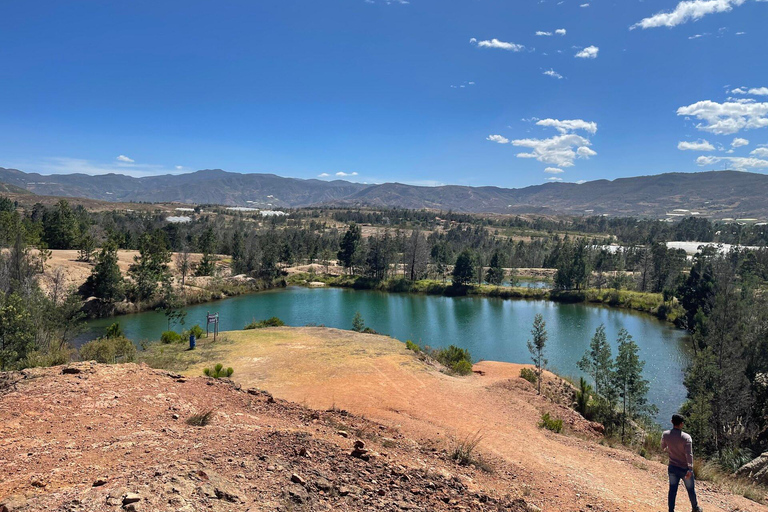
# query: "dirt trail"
377, 377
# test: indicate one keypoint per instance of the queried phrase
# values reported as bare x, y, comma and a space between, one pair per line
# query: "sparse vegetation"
412, 346
464, 451
169, 337
358, 324
110, 350
270, 322
201, 420
550, 423
458, 360
218, 372
529, 375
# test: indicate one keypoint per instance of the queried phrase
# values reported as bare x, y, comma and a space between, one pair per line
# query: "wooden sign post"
212, 319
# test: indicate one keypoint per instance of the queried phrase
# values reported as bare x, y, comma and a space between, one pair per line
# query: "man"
679, 447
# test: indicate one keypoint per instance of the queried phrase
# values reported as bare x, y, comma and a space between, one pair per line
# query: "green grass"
550, 423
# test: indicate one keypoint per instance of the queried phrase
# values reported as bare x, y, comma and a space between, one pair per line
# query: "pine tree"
106, 280
464, 269
628, 378
598, 363
495, 273
537, 347
349, 246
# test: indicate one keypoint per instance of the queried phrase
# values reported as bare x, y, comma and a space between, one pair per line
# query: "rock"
130, 497
227, 494
37, 481
343, 433
360, 452
323, 484
175, 416
596, 427
100, 481
298, 494
70, 370
756, 470
297, 479
13, 503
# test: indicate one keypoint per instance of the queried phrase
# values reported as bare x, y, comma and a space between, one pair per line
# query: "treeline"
727, 315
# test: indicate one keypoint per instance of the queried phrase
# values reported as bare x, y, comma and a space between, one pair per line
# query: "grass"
270, 322
464, 452
529, 375
201, 420
710, 471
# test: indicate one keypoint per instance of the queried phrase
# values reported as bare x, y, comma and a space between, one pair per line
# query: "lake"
492, 329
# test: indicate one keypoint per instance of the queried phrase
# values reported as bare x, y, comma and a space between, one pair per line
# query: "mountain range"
717, 194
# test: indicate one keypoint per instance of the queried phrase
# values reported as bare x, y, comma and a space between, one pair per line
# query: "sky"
507, 93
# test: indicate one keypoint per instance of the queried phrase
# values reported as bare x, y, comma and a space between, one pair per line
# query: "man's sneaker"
698, 509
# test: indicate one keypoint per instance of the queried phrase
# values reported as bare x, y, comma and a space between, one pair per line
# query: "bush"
114, 331
549, 423
109, 350
218, 371
270, 322
455, 358
201, 420
358, 324
195, 329
169, 337
463, 451
582, 397
529, 375
412, 346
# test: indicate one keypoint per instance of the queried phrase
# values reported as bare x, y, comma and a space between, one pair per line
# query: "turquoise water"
492, 329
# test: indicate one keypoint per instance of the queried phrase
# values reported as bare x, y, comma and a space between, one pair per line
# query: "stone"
323, 484
298, 494
100, 481
756, 470
130, 497
343, 433
70, 370
297, 479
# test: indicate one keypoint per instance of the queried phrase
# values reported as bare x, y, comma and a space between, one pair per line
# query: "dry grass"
201, 420
709, 471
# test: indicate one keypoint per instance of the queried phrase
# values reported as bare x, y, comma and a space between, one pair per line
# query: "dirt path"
377, 377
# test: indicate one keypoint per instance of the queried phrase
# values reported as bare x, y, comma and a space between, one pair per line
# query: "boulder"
756, 470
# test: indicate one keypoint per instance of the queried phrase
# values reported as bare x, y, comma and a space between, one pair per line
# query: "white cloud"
697, 36
729, 117
755, 91
342, 174
560, 32
495, 43
179, 167
541, 33
699, 145
554, 178
581, 182
739, 142
123, 158
553, 74
560, 150
689, 10
553, 170
584, 5
498, 138
323, 175
590, 52
761, 152
67, 165
736, 162
569, 125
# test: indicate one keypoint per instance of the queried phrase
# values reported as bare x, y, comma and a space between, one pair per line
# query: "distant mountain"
717, 194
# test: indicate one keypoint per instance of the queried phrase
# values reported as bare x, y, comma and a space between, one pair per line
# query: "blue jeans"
675, 475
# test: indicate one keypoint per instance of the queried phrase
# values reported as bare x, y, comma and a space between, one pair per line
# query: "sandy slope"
375, 376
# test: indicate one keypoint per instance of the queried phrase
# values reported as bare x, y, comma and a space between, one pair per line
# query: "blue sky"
425, 92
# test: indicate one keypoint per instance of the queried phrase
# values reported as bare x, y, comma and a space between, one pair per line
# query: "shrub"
170, 337
463, 451
195, 329
270, 322
109, 350
201, 420
412, 346
218, 371
114, 331
528, 375
550, 423
582, 397
358, 324
455, 358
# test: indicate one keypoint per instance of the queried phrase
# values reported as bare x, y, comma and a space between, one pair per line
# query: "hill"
717, 194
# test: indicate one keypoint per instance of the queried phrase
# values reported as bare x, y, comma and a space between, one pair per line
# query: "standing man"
679, 447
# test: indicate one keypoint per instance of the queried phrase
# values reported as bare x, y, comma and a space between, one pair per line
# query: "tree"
106, 280
495, 273
416, 256
537, 347
349, 245
597, 362
183, 264
151, 265
358, 324
60, 226
628, 378
208, 242
86, 245
378, 257
172, 306
440, 256
464, 269
17, 331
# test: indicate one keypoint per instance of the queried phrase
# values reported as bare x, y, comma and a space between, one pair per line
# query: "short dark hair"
677, 419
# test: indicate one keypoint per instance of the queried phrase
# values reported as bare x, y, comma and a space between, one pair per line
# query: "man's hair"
677, 419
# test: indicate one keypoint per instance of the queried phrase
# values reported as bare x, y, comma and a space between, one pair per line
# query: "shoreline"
652, 304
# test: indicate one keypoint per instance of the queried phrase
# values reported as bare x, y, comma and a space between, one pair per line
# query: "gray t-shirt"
679, 446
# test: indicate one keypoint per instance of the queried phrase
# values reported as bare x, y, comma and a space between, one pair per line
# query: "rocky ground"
89, 437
